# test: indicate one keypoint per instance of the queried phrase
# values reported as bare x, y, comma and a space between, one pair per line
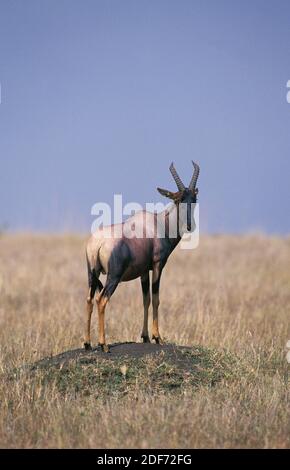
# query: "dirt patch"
118, 351
130, 368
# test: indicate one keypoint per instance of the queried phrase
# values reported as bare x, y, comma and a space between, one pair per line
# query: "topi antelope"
125, 258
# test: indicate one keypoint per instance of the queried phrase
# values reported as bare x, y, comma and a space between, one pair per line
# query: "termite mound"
131, 368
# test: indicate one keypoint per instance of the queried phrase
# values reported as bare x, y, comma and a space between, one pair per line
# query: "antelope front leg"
146, 302
155, 302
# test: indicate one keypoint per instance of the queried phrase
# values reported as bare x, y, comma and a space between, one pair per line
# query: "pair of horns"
178, 181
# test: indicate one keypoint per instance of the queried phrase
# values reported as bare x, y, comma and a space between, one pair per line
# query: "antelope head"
185, 195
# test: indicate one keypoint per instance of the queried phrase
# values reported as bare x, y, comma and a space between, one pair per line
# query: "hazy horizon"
98, 98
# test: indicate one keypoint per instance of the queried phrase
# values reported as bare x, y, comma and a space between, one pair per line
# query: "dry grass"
230, 297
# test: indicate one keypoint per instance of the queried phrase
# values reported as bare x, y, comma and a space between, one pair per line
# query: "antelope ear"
166, 193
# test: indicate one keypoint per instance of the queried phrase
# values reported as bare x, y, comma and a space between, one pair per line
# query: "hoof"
158, 340
145, 339
105, 348
87, 346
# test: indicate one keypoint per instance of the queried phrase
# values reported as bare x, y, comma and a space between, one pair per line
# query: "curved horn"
177, 180
193, 181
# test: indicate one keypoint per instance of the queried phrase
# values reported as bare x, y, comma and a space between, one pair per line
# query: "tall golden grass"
231, 293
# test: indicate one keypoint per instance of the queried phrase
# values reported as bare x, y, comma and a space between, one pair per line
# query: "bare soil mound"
128, 350
148, 368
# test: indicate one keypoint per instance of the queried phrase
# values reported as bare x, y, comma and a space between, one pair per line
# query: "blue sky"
98, 97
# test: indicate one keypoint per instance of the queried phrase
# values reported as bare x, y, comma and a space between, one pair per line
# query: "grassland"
229, 300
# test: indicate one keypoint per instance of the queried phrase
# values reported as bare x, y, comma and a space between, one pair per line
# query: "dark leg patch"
155, 286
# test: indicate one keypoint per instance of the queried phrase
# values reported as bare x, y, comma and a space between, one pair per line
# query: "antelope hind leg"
90, 306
